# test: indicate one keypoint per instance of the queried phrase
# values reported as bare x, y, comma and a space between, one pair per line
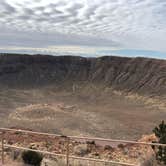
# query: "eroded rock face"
149, 157
141, 75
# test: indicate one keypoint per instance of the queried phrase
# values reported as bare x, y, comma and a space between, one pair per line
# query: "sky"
84, 27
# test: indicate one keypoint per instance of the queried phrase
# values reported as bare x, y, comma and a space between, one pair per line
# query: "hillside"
146, 76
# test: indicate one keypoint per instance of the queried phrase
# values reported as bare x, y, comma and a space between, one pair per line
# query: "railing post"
2, 148
67, 151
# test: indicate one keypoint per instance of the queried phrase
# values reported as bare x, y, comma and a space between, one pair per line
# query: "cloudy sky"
84, 27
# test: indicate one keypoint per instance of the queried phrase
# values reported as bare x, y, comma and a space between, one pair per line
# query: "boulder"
149, 161
81, 149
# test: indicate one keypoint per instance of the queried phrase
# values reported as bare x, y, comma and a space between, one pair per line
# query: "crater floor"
85, 113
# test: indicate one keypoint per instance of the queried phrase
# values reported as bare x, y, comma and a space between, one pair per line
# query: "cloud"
56, 50
7, 7
137, 24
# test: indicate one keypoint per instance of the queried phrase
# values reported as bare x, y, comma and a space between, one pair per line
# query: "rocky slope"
141, 75
128, 153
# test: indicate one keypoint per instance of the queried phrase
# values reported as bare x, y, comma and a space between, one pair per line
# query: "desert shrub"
121, 146
32, 158
91, 142
160, 132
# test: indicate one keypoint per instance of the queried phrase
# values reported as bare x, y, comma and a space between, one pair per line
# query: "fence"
67, 156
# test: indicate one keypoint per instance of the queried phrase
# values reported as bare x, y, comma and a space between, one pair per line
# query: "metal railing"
67, 156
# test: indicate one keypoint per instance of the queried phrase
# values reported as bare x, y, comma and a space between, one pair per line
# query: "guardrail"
67, 156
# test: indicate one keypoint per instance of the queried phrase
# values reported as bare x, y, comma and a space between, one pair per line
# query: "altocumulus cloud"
55, 26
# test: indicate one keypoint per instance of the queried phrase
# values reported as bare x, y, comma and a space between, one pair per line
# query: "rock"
148, 138
95, 155
108, 155
51, 162
150, 161
125, 151
33, 146
38, 145
81, 149
133, 154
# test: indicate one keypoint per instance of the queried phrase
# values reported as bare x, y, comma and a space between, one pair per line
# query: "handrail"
67, 156
72, 157
84, 138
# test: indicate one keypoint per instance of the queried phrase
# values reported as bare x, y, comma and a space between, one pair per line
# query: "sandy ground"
85, 113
